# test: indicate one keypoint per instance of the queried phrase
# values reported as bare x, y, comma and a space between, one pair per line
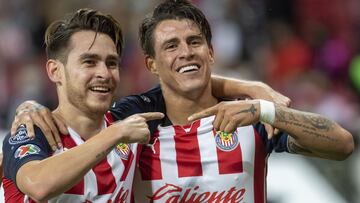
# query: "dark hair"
171, 9
58, 34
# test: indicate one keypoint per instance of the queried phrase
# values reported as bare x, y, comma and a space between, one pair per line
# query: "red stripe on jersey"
127, 165
149, 163
109, 118
105, 179
12, 194
229, 161
188, 151
259, 170
78, 189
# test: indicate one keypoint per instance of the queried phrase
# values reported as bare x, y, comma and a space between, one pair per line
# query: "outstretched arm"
309, 134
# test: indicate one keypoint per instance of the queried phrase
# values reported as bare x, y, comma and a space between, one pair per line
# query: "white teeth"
188, 68
100, 89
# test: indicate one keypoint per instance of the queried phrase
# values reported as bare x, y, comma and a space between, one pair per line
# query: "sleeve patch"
21, 136
26, 150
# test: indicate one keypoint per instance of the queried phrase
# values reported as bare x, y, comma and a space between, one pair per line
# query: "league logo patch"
226, 141
25, 150
123, 150
20, 136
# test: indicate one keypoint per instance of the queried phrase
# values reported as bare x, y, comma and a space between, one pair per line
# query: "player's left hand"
231, 114
32, 113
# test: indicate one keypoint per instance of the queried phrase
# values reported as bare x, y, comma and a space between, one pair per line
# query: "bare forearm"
313, 134
59, 173
224, 87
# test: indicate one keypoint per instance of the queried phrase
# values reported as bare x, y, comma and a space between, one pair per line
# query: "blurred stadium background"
308, 50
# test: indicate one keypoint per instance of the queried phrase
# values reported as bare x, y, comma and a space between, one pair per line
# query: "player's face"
92, 72
182, 56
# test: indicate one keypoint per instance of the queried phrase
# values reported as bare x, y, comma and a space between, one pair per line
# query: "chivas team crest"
123, 150
226, 141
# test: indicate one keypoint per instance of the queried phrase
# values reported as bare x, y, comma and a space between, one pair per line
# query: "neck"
180, 107
85, 125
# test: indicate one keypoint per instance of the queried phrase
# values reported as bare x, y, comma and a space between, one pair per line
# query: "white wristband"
267, 112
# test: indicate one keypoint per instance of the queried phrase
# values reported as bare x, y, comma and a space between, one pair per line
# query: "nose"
186, 51
103, 71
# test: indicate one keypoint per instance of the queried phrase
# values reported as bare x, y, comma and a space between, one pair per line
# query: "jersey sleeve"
20, 149
278, 143
150, 101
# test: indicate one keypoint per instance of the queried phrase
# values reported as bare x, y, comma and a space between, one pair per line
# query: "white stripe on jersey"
207, 146
90, 184
168, 163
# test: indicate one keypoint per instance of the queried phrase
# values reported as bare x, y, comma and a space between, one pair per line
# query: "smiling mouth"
188, 68
100, 89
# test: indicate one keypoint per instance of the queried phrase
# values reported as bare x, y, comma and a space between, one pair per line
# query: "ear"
53, 68
151, 65
211, 54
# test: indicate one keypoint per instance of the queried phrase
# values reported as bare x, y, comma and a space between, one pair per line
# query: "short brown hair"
58, 33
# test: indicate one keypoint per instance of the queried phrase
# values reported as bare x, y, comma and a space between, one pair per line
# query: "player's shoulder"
149, 97
149, 101
21, 137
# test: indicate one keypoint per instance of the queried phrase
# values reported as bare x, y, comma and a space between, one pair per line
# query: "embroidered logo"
25, 150
20, 136
123, 150
226, 141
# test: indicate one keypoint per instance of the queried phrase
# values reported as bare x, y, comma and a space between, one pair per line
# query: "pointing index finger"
152, 116
204, 113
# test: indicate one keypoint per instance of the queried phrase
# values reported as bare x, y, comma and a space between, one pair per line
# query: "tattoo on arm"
252, 110
104, 153
309, 123
295, 148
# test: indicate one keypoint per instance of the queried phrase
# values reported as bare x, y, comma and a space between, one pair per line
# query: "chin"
193, 86
100, 107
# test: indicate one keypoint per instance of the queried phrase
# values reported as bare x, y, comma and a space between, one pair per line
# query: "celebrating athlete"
94, 164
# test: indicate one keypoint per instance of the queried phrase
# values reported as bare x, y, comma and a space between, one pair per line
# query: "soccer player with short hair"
219, 158
94, 164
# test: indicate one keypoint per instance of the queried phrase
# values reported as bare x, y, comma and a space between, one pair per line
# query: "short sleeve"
20, 149
278, 143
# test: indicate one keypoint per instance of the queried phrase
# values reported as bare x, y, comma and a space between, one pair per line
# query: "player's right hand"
32, 113
134, 128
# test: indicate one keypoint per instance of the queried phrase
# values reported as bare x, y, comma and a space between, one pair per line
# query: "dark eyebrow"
197, 36
172, 40
89, 56
97, 57
114, 57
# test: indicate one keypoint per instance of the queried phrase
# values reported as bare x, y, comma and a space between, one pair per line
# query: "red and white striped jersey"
196, 164
109, 181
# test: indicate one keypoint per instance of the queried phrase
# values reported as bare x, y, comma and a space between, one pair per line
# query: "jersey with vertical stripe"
197, 164
109, 181
20, 149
